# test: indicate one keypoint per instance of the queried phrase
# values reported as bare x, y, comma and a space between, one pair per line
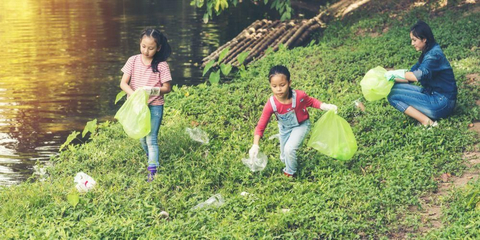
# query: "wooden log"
232, 57
307, 33
255, 25
286, 36
298, 33
255, 52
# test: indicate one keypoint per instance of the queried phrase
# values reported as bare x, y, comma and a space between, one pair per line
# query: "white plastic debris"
40, 172
84, 182
276, 136
164, 214
244, 193
196, 134
257, 163
214, 201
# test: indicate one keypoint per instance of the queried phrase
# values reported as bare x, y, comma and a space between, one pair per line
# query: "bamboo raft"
261, 35
264, 34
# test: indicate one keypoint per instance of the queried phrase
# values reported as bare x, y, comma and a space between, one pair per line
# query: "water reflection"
61, 59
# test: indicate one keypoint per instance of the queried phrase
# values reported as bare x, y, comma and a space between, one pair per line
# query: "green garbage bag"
375, 85
134, 115
333, 136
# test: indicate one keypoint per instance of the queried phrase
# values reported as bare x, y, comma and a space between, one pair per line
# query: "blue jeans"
434, 105
150, 142
290, 140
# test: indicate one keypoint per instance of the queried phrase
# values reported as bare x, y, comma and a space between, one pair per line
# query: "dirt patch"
475, 126
473, 79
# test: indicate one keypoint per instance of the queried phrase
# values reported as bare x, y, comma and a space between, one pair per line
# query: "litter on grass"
84, 182
257, 163
196, 134
214, 201
276, 136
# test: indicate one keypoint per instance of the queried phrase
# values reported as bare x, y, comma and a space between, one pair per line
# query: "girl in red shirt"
290, 109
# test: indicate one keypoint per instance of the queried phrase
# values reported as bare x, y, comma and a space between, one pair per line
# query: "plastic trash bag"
214, 201
375, 85
256, 164
84, 182
134, 115
196, 134
333, 136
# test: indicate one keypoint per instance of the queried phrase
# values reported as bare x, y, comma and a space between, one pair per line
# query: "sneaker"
288, 175
152, 171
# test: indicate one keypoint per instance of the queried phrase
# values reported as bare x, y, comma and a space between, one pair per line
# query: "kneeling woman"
437, 97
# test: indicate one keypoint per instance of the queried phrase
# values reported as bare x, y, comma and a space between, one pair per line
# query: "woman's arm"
409, 77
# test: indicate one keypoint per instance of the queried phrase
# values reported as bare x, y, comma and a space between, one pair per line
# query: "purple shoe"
152, 171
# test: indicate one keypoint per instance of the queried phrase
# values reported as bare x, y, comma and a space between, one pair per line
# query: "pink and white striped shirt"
142, 75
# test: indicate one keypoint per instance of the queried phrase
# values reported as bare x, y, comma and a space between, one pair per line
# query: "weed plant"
366, 197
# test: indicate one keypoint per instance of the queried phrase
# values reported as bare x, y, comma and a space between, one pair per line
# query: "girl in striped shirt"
149, 71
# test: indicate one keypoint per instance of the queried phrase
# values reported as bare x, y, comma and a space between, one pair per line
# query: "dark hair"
162, 43
279, 69
421, 30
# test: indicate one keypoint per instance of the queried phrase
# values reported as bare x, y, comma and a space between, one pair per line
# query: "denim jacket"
435, 73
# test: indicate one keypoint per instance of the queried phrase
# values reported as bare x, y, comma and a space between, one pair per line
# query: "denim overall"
292, 133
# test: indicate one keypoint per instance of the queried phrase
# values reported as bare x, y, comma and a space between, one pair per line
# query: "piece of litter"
196, 134
276, 136
256, 164
214, 201
84, 182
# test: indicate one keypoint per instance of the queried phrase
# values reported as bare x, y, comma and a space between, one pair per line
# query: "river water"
60, 64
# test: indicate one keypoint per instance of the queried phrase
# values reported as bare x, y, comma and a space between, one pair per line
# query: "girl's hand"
326, 107
152, 91
254, 151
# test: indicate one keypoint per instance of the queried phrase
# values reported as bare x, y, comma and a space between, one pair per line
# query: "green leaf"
223, 54
70, 138
205, 17
265, 2
73, 198
242, 56
120, 96
226, 68
214, 77
91, 126
207, 67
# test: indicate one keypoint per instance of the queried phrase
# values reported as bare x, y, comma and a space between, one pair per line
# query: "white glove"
253, 151
152, 91
326, 107
391, 75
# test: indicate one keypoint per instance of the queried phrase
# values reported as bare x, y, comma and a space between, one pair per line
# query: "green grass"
366, 197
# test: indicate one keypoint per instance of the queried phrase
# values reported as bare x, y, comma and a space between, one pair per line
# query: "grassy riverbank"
369, 196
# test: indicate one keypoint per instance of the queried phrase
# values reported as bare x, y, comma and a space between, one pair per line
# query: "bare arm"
409, 77
166, 88
124, 84
256, 139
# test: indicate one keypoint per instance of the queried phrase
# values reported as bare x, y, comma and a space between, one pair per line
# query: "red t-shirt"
142, 75
303, 101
